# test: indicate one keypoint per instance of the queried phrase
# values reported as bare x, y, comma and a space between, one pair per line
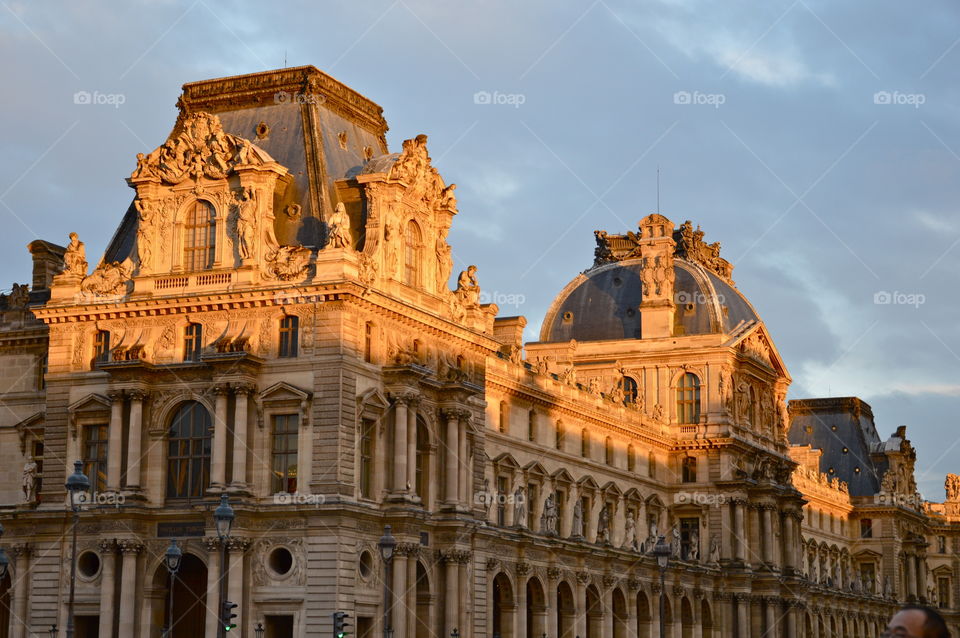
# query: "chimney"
47, 262
656, 248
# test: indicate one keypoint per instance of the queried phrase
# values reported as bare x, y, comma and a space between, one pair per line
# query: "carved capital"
553, 573
211, 543
655, 587
220, 389
238, 544
129, 546
583, 578
492, 563
407, 549
21, 550
244, 388
633, 584
522, 568
677, 589
138, 395
115, 395
409, 398
455, 414
608, 580
107, 546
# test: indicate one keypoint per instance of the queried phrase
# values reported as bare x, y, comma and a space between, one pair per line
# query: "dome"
603, 303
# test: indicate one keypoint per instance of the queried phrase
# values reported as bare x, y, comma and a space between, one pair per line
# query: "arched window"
199, 236
412, 247
688, 399
630, 389
188, 452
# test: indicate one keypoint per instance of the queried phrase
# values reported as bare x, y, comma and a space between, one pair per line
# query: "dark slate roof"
318, 128
834, 425
603, 304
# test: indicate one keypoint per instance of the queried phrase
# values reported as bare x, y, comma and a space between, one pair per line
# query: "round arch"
566, 611
536, 610
594, 609
686, 618
424, 603
620, 619
644, 619
504, 607
188, 614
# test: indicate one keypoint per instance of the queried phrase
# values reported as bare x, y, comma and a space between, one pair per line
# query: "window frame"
196, 240
688, 399
289, 337
95, 467
205, 442
291, 432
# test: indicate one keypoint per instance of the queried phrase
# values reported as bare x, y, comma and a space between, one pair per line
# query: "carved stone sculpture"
109, 278
444, 261
247, 223
577, 528
289, 262
675, 542
630, 534
548, 520
468, 290
29, 482
339, 228
714, 549
603, 526
952, 485
75, 258
19, 296
693, 554
519, 507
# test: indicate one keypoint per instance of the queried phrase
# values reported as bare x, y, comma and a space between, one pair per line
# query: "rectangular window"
37, 453
502, 498
42, 372
631, 459
866, 528
689, 469
943, 593
368, 342
285, 435
289, 336
532, 495
561, 507
366, 458
95, 456
101, 347
192, 342
558, 434
651, 465
942, 544
584, 444
532, 426
689, 535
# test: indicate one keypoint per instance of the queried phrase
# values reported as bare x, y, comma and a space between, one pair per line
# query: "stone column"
465, 626
739, 531
108, 560
520, 615
134, 447
464, 462
792, 621
412, 445
115, 442
607, 610
580, 605
789, 541
770, 611
218, 460
922, 575
400, 446
697, 615
236, 547
213, 587
631, 596
753, 534
742, 603
655, 610
305, 454
911, 576
766, 535
128, 584
553, 575
398, 589
20, 617
240, 427
451, 461
451, 603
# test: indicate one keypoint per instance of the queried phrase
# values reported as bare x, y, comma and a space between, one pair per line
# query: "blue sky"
818, 141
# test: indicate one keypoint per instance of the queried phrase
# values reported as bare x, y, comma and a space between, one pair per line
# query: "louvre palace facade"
277, 318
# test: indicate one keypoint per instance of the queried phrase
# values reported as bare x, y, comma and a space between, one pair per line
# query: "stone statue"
468, 290
630, 534
603, 526
30, 482
444, 261
675, 542
714, 557
519, 507
146, 214
693, 554
952, 485
652, 538
109, 278
75, 258
246, 223
548, 520
743, 406
577, 528
447, 198
658, 413
339, 228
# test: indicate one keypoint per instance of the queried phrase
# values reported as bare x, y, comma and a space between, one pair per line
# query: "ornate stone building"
274, 320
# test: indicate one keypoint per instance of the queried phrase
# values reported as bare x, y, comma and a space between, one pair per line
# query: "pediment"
755, 343
90, 404
283, 392
506, 462
536, 469
31, 426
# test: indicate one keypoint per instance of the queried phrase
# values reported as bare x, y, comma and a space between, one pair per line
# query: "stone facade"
274, 320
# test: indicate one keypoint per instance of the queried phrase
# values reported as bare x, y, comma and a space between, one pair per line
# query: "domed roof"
603, 303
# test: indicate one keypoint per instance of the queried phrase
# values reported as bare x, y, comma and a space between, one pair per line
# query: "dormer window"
411, 255
199, 236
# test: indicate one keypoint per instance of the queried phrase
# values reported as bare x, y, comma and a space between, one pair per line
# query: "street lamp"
223, 521
387, 545
454, 633
77, 485
53, 631
171, 560
662, 553
258, 630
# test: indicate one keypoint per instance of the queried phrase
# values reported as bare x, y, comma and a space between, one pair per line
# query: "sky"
818, 141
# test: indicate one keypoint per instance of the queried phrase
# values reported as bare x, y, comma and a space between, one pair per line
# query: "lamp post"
387, 544
223, 520
53, 631
258, 630
77, 485
662, 553
171, 560
454, 633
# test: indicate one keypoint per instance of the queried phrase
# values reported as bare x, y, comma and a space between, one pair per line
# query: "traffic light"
227, 615
340, 624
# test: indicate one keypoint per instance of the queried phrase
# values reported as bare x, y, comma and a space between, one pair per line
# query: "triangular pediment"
283, 391
91, 403
755, 343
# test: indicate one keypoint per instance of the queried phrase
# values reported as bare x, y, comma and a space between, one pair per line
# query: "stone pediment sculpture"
75, 258
690, 245
289, 262
338, 235
199, 148
413, 167
109, 278
468, 290
952, 485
